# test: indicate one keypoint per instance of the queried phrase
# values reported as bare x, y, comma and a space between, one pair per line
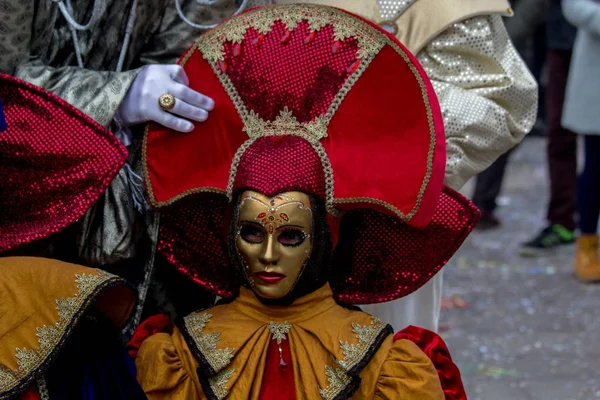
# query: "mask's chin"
285, 300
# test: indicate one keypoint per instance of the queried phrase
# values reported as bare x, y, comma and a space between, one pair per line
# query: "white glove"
141, 102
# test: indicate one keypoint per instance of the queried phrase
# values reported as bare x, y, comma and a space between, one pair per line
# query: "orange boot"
587, 265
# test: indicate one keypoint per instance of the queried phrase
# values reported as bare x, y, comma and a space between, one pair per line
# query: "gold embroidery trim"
279, 330
219, 381
206, 343
369, 40
338, 378
49, 337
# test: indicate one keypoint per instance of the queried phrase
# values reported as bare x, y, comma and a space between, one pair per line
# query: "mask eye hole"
291, 237
252, 234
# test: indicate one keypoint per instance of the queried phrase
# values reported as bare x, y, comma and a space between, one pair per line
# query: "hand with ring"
160, 93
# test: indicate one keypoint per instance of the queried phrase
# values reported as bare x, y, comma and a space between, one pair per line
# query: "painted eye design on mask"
291, 237
252, 234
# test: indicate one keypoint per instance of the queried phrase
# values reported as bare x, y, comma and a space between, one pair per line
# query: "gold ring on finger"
166, 101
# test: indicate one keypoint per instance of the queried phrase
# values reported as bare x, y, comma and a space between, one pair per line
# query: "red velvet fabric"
178, 163
385, 141
55, 162
151, 326
435, 348
278, 383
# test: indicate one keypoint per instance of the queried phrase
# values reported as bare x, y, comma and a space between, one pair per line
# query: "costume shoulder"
425, 19
41, 303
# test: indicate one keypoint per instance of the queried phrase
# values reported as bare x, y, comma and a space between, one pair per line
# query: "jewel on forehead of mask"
310, 37
284, 217
354, 66
237, 48
336, 46
261, 215
272, 202
222, 65
286, 37
258, 40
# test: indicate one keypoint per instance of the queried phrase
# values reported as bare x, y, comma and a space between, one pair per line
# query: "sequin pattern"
55, 163
192, 237
265, 80
277, 164
487, 95
391, 9
385, 259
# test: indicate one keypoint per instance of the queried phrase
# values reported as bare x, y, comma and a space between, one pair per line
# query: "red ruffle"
151, 326
435, 348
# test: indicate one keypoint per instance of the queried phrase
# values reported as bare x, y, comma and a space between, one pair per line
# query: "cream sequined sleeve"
487, 94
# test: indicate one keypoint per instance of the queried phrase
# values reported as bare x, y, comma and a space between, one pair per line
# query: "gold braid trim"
49, 337
339, 378
234, 30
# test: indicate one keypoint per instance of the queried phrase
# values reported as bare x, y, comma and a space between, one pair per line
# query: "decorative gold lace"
338, 378
279, 330
219, 381
49, 337
369, 39
206, 343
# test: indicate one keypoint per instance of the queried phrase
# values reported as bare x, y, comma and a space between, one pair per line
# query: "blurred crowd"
560, 42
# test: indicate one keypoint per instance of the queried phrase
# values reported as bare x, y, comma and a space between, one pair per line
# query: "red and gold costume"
56, 162
303, 120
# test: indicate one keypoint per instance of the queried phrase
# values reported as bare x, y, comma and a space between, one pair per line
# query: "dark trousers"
562, 144
561, 153
588, 194
488, 184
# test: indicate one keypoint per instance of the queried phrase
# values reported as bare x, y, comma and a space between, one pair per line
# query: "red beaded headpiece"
307, 98
55, 162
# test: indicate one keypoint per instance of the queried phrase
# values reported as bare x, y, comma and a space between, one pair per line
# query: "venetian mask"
273, 239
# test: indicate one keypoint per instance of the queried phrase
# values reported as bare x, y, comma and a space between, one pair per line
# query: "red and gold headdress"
314, 99
55, 162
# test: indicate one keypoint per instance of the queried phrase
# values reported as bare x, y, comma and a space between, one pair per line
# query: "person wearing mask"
580, 115
321, 196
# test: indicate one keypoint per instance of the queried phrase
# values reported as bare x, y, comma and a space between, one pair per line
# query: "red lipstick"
270, 277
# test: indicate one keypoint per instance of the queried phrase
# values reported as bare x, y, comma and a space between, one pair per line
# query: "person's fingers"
178, 74
173, 122
185, 110
192, 97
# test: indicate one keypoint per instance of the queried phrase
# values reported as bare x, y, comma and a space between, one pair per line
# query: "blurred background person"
581, 116
529, 15
562, 143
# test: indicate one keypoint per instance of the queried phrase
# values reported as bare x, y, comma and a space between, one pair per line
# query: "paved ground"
521, 329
